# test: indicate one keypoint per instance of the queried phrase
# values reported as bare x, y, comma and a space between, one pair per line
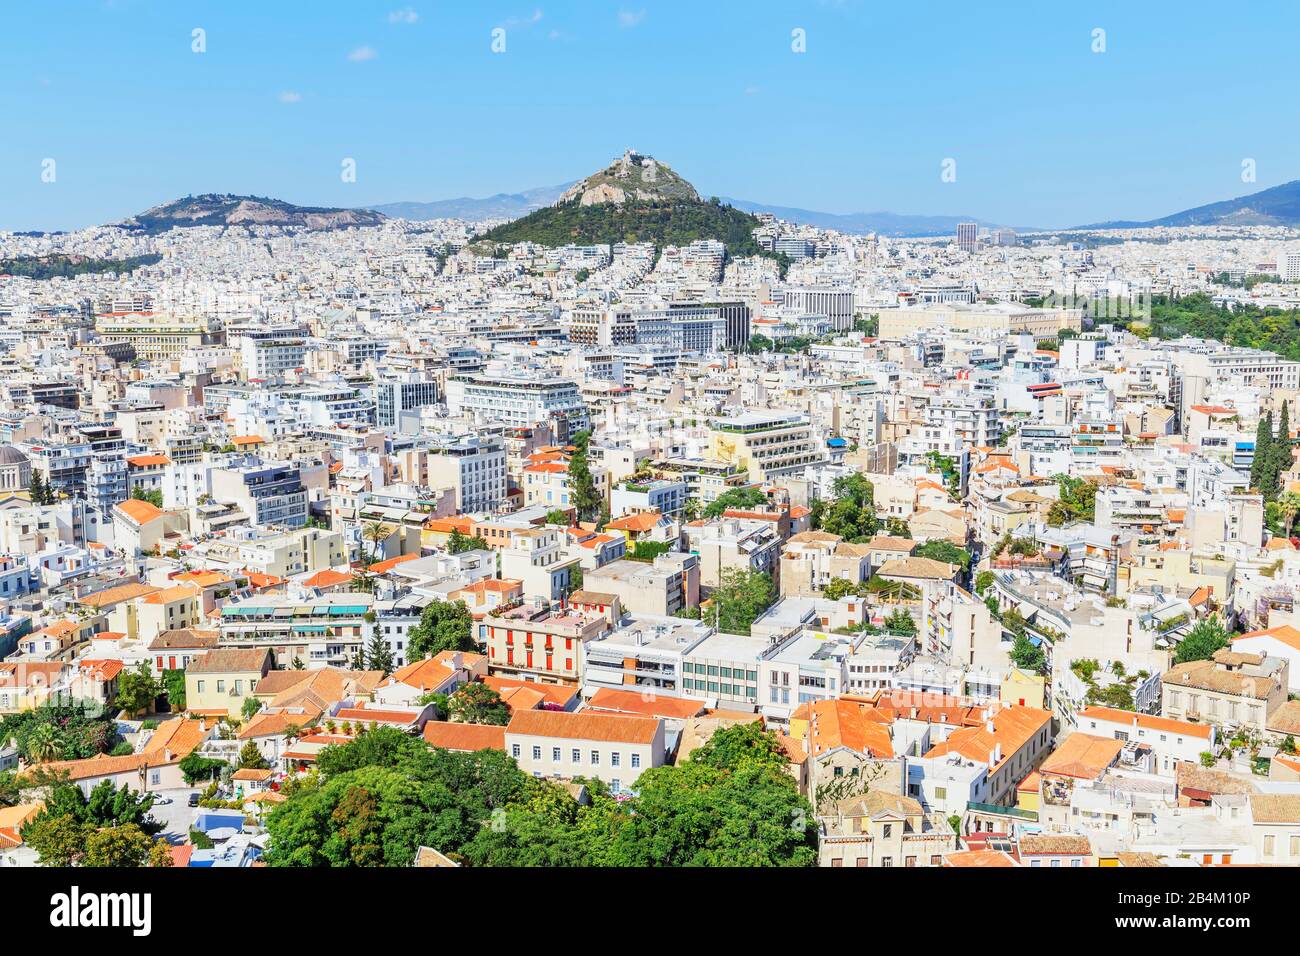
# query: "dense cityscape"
623, 524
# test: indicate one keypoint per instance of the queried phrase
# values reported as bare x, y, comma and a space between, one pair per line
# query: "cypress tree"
1263, 451
1282, 446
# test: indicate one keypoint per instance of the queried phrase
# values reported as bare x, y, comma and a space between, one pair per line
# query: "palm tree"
374, 532
1289, 502
45, 744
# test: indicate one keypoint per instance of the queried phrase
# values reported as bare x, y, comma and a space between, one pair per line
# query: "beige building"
615, 749
280, 554
1275, 828
886, 830
219, 681
669, 584
1231, 690
812, 559
899, 323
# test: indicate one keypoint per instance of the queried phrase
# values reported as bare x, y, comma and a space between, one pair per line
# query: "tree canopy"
736, 499
851, 514
377, 799
1206, 637
444, 626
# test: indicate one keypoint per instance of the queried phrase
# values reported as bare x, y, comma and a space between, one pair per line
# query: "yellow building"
218, 682
1023, 688
767, 444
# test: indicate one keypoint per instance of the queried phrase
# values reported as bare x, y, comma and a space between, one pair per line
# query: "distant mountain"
860, 223
500, 206
1278, 206
635, 198
223, 209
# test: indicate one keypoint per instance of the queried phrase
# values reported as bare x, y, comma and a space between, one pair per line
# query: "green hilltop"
634, 199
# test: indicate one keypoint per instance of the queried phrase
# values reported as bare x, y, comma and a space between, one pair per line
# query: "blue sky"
1043, 130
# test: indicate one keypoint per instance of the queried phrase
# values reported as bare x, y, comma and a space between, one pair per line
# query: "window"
537, 753
616, 785
886, 861
614, 759
201, 686
595, 757
636, 760
514, 751
555, 754
221, 687
576, 755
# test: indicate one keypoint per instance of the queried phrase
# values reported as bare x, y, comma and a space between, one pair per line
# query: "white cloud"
362, 53
290, 96
405, 15
515, 23
628, 19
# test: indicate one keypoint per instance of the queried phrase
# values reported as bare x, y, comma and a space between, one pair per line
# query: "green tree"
1206, 637
900, 622
378, 655
735, 499
121, 846
45, 744
375, 532
740, 600
137, 689
1262, 476
1288, 503
195, 768
558, 516
1283, 455
41, 493
11, 791
396, 795
57, 840
940, 549
837, 588
477, 703
250, 758
153, 496
583, 496
1077, 501
250, 706
1027, 655
173, 682
444, 626
983, 581
852, 512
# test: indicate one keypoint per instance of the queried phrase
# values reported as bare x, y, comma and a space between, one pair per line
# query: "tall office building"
967, 236
835, 304
1288, 266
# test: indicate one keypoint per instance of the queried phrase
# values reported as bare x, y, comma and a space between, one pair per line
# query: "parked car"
160, 800
194, 799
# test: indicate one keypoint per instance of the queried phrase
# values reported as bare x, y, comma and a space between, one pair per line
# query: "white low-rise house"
615, 749
1280, 642
1172, 741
